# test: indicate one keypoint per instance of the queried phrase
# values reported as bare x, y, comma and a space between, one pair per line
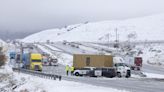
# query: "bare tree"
2, 57
132, 35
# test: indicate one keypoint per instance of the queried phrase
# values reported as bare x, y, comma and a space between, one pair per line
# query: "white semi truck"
100, 65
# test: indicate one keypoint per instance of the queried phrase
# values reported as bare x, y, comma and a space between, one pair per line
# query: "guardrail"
39, 74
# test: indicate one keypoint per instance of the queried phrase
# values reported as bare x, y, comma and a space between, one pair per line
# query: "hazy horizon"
28, 16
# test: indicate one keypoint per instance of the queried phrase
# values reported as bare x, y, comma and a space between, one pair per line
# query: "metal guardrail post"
60, 78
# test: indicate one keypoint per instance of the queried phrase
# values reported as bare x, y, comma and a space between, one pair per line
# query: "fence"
39, 74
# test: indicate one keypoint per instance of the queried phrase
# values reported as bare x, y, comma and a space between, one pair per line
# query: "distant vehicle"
65, 42
32, 61
26, 60
49, 60
12, 55
18, 58
137, 63
72, 44
53, 61
104, 65
45, 60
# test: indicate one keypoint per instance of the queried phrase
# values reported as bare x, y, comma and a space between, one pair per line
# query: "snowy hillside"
145, 28
4, 45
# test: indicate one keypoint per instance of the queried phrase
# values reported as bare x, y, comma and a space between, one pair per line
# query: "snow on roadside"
153, 75
36, 84
28, 83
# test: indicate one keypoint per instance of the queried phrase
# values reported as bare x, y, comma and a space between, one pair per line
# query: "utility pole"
116, 34
117, 40
21, 55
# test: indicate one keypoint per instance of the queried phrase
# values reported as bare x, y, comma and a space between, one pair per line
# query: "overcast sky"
36, 15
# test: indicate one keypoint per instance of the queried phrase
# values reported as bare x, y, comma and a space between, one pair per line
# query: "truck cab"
135, 63
138, 62
12, 55
36, 62
122, 70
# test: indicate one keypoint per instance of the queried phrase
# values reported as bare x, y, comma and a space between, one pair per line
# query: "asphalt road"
153, 69
71, 50
130, 84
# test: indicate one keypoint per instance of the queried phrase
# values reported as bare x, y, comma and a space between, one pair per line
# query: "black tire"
77, 74
128, 74
111, 76
119, 75
138, 68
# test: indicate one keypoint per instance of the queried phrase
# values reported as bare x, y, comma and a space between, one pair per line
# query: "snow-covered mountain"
145, 28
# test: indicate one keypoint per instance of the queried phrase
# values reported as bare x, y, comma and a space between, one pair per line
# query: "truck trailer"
99, 65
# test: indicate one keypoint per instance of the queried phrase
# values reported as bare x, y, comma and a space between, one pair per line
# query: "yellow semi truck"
32, 61
36, 62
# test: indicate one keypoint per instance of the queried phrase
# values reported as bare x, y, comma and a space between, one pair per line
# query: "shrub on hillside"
2, 60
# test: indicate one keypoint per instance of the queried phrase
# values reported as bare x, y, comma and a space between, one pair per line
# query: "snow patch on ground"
153, 75
27, 83
35, 84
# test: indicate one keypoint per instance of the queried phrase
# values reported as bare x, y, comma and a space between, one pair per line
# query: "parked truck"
32, 61
100, 65
45, 60
135, 63
48, 60
53, 61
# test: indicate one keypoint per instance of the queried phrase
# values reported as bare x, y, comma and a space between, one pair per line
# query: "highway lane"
130, 84
71, 50
153, 69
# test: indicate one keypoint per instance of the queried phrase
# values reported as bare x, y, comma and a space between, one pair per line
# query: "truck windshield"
36, 60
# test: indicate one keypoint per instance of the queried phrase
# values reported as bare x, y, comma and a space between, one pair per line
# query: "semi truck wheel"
128, 74
119, 74
77, 74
